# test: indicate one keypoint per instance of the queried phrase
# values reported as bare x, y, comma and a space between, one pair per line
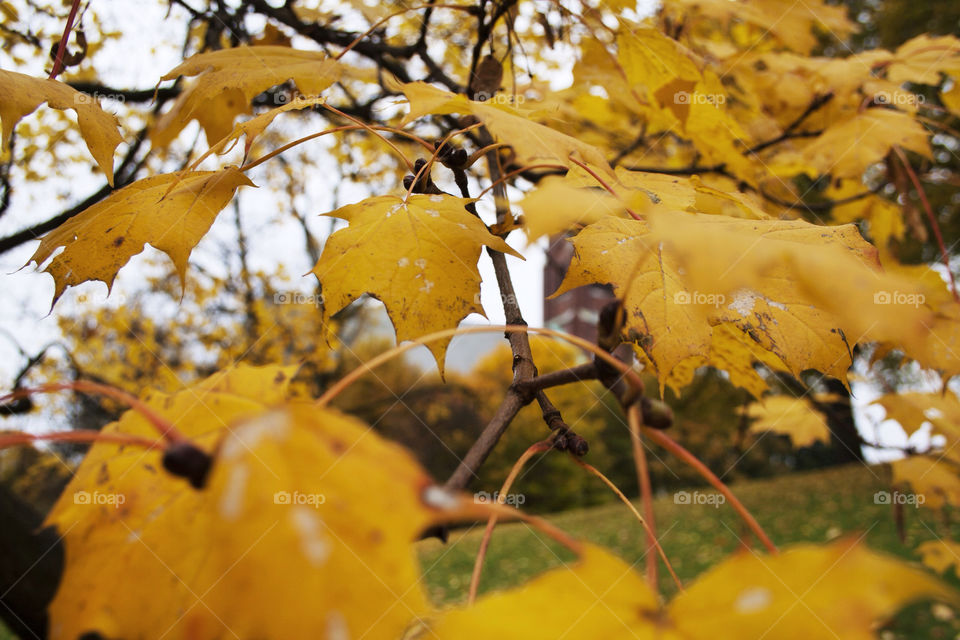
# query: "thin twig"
673, 447
62, 47
944, 256
532, 450
643, 480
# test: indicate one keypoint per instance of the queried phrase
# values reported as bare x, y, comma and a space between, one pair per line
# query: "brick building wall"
577, 310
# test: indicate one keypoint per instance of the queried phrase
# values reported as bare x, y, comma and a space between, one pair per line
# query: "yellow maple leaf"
846, 149
22, 94
885, 217
913, 408
804, 592
313, 516
734, 351
935, 479
940, 555
228, 79
598, 597
652, 60
121, 509
255, 126
555, 206
951, 98
922, 59
618, 252
781, 285
532, 141
298, 498
417, 256
171, 212
795, 417
695, 271
791, 23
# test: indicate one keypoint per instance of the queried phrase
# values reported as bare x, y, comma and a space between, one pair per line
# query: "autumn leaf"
940, 555
804, 592
651, 59
418, 256
555, 206
687, 275
734, 351
298, 498
22, 94
847, 148
884, 217
933, 478
795, 417
790, 23
841, 590
144, 511
228, 79
913, 408
922, 59
616, 251
598, 597
171, 212
532, 141
779, 283
252, 128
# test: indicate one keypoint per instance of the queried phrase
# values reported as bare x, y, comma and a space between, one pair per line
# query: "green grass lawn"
812, 507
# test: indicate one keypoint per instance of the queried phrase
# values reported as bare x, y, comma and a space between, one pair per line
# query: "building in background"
577, 310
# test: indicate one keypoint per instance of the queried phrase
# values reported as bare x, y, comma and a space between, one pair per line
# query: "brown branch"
564, 438
125, 95
791, 130
523, 367
579, 373
124, 176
